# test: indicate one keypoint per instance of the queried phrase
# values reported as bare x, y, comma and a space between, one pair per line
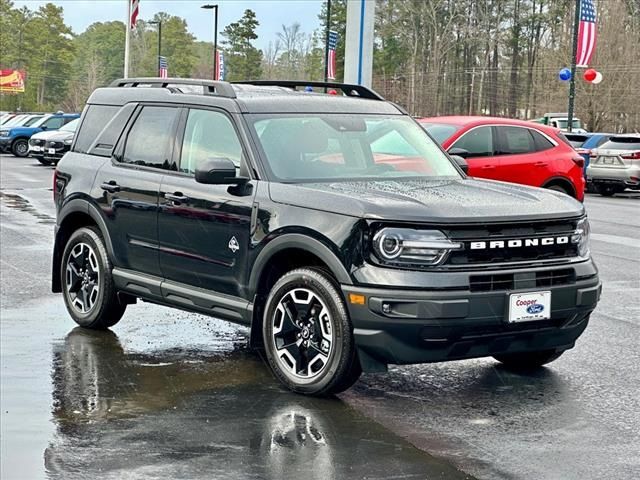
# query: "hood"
59, 136
427, 200
47, 135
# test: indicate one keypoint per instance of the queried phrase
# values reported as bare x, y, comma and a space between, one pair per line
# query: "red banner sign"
12, 81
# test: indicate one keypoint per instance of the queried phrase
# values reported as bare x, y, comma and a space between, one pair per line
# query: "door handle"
540, 164
111, 186
176, 197
488, 167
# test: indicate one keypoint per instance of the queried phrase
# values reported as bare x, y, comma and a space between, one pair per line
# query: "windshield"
576, 140
440, 131
317, 147
38, 121
16, 121
71, 126
563, 122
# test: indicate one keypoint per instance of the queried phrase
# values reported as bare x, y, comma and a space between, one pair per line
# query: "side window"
94, 120
478, 142
149, 139
515, 140
208, 134
54, 123
540, 141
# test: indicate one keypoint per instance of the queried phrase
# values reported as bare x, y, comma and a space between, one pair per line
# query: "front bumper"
428, 325
5, 144
628, 176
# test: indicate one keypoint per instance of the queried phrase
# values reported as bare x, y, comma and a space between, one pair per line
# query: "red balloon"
335, 92
590, 75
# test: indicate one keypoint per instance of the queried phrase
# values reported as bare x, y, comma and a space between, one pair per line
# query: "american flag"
135, 9
164, 68
586, 33
331, 64
220, 65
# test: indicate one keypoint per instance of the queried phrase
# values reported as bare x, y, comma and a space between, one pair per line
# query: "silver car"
615, 165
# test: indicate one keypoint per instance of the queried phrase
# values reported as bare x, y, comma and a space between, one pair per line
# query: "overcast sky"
271, 14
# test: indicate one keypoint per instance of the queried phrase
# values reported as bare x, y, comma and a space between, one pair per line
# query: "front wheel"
88, 288
20, 148
528, 360
308, 336
43, 161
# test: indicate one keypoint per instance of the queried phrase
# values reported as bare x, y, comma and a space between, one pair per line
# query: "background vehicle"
22, 120
511, 151
49, 147
615, 165
561, 121
584, 143
281, 210
16, 138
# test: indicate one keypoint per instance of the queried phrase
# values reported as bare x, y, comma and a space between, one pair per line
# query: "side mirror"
44, 128
462, 163
218, 171
460, 152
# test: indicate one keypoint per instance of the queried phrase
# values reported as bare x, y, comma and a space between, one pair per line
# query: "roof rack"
350, 90
209, 87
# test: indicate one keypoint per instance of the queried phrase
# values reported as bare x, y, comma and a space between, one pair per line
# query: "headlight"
68, 142
404, 246
581, 237
4, 133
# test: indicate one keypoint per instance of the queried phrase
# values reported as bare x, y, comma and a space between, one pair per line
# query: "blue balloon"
308, 88
564, 74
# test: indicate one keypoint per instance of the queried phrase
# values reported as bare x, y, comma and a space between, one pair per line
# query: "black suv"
332, 225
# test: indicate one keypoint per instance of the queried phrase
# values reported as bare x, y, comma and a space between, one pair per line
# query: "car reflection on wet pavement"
177, 414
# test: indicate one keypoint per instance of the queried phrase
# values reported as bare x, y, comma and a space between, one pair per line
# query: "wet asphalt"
167, 394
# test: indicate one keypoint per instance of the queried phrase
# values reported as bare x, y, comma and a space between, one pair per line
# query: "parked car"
615, 165
15, 139
583, 144
561, 121
48, 147
511, 151
22, 120
270, 207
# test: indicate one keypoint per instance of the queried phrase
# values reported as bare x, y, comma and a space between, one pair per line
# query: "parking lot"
168, 394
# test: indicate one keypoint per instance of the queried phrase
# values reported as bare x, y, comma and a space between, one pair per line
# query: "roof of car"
241, 98
471, 120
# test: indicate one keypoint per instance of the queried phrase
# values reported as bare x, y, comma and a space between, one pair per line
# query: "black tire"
608, 190
326, 352
99, 310
20, 147
559, 188
43, 161
528, 360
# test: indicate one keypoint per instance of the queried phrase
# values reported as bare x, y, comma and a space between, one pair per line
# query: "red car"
511, 151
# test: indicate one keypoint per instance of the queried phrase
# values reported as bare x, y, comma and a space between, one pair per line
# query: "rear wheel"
559, 188
20, 147
528, 360
608, 190
308, 336
88, 288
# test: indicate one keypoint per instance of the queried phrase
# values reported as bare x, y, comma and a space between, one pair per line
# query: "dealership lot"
170, 394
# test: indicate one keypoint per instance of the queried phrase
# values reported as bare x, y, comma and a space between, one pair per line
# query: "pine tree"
243, 61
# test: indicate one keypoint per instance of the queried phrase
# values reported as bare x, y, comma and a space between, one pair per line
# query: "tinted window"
54, 123
149, 138
208, 134
622, 143
478, 142
94, 120
576, 140
540, 141
440, 131
515, 140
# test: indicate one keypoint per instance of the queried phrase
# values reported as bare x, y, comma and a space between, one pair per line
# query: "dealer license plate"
52, 151
526, 307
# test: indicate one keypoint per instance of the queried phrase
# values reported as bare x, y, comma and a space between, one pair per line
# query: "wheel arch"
75, 214
561, 182
281, 255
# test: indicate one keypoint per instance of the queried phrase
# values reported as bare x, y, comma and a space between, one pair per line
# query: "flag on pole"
220, 65
164, 68
135, 9
331, 64
586, 33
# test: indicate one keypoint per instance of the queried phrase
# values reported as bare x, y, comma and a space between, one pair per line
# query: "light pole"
159, 23
215, 37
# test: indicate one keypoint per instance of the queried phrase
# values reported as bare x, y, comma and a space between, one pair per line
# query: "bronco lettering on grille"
517, 243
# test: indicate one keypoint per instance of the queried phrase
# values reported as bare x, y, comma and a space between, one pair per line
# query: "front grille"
54, 145
516, 281
516, 233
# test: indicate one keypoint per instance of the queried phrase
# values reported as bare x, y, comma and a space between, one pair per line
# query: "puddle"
18, 202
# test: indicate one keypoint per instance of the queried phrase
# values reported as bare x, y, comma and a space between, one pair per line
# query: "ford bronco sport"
332, 226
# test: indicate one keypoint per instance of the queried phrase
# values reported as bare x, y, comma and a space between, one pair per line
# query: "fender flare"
300, 242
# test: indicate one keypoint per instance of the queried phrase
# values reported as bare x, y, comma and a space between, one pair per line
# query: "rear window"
576, 140
622, 143
95, 119
440, 131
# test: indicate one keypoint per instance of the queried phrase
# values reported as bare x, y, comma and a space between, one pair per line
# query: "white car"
615, 165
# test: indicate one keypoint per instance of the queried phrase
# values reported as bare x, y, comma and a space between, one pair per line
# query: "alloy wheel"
302, 333
82, 278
